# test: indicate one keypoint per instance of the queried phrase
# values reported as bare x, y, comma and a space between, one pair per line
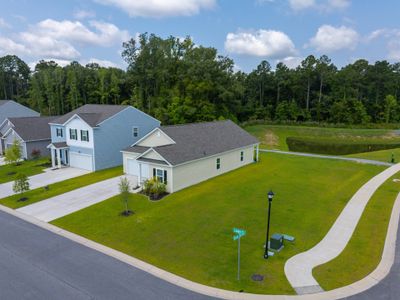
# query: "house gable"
155, 138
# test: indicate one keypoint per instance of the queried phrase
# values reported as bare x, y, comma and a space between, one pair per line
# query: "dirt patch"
271, 139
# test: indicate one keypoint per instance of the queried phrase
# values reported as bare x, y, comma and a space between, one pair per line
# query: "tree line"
178, 81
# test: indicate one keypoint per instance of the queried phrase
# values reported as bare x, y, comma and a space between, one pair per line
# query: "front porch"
59, 155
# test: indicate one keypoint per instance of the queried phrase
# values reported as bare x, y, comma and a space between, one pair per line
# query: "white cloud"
105, 34
8, 46
301, 4
46, 46
292, 62
267, 43
330, 39
392, 39
321, 5
160, 8
102, 63
340, 4
84, 14
4, 24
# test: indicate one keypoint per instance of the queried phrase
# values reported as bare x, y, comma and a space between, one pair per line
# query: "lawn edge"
367, 282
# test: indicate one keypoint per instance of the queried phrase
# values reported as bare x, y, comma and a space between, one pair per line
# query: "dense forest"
177, 82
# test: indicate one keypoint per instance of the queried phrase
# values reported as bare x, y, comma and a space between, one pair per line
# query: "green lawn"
364, 251
274, 136
27, 167
61, 187
189, 232
383, 155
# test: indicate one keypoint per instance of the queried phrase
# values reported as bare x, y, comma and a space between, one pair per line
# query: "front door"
66, 157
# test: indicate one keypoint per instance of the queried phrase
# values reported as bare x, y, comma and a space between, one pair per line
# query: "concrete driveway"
43, 179
65, 204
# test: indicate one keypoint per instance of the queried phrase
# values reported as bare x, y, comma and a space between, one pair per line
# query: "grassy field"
59, 188
190, 234
363, 253
274, 136
383, 155
27, 167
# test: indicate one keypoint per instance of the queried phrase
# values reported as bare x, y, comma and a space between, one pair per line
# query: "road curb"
372, 279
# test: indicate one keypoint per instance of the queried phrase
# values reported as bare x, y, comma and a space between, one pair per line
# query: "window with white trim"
73, 134
241, 155
218, 163
84, 135
135, 131
160, 174
59, 132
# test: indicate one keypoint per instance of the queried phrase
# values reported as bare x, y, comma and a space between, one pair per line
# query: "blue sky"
246, 30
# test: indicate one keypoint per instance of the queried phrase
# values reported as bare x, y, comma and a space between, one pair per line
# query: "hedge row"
337, 146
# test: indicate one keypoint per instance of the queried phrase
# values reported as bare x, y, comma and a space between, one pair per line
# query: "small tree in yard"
21, 185
124, 188
13, 154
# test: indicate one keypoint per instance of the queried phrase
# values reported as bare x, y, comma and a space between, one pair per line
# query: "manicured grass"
61, 187
27, 167
383, 155
274, 136
190, 234
364, 251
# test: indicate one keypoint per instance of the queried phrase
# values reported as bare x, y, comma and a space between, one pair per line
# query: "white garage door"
133, 167
80, 161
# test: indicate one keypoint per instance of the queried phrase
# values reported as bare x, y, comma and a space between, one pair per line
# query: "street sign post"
238, 234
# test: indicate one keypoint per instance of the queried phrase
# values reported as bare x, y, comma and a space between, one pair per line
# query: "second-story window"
135, 131
73, 134
84, 135
59, 132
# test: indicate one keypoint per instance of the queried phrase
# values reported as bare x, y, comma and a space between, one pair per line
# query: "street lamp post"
270, 197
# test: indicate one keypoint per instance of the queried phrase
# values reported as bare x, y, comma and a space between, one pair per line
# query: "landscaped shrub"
35, 154
154, 188
338, 146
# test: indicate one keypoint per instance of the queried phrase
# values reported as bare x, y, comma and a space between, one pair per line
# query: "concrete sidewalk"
48, 177
298, 269
353, 159
65, 204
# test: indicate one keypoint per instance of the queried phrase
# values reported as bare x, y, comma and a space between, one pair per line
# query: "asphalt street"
38, 264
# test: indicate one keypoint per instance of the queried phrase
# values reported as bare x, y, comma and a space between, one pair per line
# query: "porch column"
257, 152
59, 158
140, 175
53, 159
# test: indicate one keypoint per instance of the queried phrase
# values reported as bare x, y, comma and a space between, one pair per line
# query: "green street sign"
238, 234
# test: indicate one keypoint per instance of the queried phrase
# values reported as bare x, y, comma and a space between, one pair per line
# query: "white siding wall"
79, 125
191, 173
157, 138
198, 171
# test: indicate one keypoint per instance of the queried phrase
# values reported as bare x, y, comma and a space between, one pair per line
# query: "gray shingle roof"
93, 114
200, 140
4, 102
32, 128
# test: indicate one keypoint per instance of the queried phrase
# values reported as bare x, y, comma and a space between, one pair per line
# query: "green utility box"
276, 242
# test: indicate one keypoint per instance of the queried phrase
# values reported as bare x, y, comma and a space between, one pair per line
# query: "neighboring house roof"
92, 114
4, 102
200, 140
32, 128
59, 145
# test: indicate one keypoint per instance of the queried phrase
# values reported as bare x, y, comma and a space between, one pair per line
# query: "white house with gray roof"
92, 136
183, 155
32, 133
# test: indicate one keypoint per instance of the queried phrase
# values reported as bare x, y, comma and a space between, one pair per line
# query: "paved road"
67, 203
38, 264
357, 160
298, 269
43, 179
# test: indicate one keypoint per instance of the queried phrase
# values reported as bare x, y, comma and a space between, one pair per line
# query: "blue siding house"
92, 136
